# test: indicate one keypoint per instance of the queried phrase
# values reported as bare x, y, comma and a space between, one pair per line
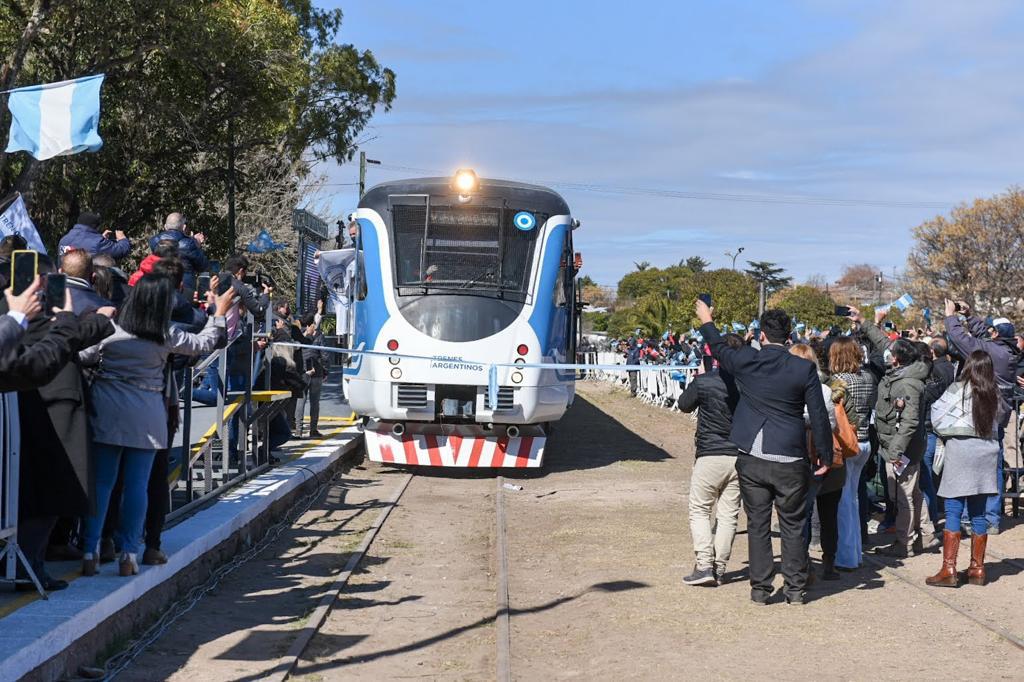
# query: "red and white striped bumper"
459, 446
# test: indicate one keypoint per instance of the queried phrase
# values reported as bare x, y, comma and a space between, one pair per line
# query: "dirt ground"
597, 544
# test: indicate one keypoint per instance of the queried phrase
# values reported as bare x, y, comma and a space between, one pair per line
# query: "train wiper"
486, 273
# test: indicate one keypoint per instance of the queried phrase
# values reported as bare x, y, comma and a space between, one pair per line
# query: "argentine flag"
56, 119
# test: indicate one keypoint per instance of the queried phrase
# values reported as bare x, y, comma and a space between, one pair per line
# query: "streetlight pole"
734, 256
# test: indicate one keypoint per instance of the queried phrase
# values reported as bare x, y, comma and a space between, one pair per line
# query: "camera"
259, 280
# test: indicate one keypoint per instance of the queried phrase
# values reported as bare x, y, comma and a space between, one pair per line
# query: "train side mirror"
575, 223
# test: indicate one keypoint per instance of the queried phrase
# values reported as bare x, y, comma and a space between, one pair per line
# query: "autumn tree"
859, 276
976, 253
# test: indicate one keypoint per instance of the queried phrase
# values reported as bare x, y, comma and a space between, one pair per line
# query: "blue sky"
911, 102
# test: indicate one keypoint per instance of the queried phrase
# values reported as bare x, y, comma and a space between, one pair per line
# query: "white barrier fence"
662, 389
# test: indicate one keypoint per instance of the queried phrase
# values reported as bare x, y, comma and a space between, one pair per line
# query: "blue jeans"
927, 480
994, 503
137, 464
975, 508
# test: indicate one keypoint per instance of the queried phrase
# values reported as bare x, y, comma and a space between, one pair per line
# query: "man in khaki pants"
714, 480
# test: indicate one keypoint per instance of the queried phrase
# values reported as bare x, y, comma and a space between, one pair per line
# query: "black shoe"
895, 551
315, 434
796, 600
759, 597
49, 584
701, 576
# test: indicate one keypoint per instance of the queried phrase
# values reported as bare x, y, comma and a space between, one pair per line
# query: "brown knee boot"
946, 577
976, 572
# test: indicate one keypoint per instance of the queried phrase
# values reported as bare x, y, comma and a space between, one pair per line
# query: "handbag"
844, 436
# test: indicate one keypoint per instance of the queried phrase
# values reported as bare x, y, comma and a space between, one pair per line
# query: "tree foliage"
658, 299
807, 304
858, 276
976, 254
186, 81
695, 263
770, 274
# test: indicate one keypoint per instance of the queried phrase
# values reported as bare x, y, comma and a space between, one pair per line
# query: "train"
463, 285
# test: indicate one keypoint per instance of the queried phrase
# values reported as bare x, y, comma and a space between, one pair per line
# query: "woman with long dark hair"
966, 418
127, 414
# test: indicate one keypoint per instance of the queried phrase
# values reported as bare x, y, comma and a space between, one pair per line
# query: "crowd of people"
98, 377
804, 426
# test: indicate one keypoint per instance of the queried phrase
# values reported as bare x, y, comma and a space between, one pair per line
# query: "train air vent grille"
506, 398
411, 395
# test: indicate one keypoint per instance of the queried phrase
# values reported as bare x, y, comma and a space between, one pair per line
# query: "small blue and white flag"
904, 302
800, 326
14, 219
738, 327
56, 119
264, 243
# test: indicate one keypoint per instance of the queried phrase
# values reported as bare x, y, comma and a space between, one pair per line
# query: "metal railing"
660, 388
207, 459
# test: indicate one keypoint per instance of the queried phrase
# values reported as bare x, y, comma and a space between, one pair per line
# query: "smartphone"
706, 298
56, 288
203, 285
842, 311
905, 334
226, 280
24, 269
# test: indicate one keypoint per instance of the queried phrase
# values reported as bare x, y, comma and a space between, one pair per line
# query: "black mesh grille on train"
473, 248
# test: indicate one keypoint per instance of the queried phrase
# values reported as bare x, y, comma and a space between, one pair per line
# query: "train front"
456, 275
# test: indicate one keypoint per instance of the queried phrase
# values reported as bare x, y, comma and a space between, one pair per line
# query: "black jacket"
56, 470
84, 298
714, 420
191, 253
774, 387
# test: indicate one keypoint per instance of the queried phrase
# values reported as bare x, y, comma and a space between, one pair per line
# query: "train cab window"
451, 248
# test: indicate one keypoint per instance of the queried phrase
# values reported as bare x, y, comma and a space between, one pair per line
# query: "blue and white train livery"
463, 273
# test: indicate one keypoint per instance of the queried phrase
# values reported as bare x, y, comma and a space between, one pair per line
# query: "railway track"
503, 671
503, 653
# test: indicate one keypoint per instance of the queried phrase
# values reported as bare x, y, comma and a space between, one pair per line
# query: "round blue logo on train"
525, 221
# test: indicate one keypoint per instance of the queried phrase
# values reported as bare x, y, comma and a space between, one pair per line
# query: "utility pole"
362, 171
231, 182
760, 299
878, 280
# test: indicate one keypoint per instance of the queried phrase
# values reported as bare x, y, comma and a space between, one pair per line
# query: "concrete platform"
48, 639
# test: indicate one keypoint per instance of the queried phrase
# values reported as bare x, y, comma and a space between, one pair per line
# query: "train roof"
519, 194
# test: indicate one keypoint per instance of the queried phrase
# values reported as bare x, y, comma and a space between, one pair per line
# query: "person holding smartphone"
899, 420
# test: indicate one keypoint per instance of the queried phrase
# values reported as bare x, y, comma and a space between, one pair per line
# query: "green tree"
695, 264
807, 304
770, 274
187, 82
642, 265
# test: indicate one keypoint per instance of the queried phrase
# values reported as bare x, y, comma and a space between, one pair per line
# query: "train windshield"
472, 248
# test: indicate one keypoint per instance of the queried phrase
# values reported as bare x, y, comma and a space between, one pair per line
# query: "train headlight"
517, 377
396, 373
465, 181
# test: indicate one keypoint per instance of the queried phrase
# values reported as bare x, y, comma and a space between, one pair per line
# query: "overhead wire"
790, 199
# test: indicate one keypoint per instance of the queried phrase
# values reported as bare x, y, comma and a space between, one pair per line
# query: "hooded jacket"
899, 409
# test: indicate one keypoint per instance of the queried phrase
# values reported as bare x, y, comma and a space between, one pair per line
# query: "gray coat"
128, 406
970, 463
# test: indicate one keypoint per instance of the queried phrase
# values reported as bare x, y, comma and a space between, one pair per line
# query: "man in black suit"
769, 429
